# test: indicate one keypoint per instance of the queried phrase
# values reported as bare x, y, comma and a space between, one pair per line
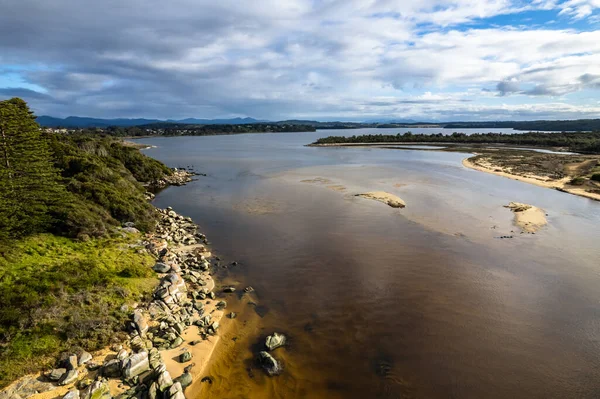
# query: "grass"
59, 294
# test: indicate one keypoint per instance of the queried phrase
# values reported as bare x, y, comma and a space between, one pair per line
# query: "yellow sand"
531, 179
387, 198
202, 351
529, 218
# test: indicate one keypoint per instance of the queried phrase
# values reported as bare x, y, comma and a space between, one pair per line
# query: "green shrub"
58, 293
578, 181
595, 177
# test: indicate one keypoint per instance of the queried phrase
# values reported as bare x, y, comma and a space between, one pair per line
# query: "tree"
29, 182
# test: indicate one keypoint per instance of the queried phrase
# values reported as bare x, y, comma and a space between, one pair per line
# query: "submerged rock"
269, 364
275, 341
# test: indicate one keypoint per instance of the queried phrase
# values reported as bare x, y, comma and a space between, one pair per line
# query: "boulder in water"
269, 364
275, 341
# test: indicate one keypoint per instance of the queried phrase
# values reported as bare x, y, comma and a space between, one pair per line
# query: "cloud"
288, 58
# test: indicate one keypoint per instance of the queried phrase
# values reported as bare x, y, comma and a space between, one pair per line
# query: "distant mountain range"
82, 122
557, 126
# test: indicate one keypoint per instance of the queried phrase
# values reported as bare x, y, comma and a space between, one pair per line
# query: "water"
423, 302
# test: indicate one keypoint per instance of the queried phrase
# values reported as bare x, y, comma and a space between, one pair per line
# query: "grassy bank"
59, 294
66, 267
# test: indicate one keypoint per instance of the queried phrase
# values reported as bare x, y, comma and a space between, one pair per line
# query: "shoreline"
183, 315
560, 185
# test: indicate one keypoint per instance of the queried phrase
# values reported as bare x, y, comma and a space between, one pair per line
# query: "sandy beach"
528, 218
561, 184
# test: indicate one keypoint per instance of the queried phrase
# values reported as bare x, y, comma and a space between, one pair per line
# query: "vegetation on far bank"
172, 129
66, 267
585, 142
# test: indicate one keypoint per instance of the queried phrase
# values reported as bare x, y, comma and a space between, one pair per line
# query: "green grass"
59, 294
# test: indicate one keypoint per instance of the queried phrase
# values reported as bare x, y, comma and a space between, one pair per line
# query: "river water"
422, 302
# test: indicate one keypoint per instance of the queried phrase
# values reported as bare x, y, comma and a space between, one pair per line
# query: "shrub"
578, 181
595, 177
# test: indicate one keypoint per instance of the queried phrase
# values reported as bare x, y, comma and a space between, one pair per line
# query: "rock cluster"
271, 365
180, 177
176, 305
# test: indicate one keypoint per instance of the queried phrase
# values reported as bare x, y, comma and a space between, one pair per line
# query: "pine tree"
29, 182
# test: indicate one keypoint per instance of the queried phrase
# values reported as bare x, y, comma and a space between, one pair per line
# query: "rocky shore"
136, 367
180, 177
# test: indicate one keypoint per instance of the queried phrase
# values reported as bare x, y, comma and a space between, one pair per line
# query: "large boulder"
69, 377
141, 323
84, 358
164, 380
185, 380
56, 374
71, 362
269, 364
136, 364
185, 357
74, 394
160, 267
97, 390
275, 341
112, 368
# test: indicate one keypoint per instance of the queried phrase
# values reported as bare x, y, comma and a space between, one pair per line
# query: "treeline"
171, 129
71, 185
579, 141
579, 125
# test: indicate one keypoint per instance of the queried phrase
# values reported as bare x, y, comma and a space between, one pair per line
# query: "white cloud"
279, 58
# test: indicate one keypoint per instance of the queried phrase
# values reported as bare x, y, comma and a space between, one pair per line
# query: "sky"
426, 60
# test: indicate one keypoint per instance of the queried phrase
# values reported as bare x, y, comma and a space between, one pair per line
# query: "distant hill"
82, 122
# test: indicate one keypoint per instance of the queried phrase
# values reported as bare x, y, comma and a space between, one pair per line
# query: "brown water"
423, 302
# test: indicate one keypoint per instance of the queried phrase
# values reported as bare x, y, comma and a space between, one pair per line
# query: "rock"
275, 341
212, 295
122, 355
141, 323
26, 387
185, 357
153, 391
84, 358
164, 381
229, 289
248, 289
56, 374
112, 368
161, 268
69, 377
221, 305
185, 380
177, 342
74, 394
98, 390
71, 362
232, 315
269, 364
130, 230
136, 365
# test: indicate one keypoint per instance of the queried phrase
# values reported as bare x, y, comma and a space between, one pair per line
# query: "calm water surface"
423, 302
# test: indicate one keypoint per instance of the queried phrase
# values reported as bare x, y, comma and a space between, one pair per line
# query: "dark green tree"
29, 183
